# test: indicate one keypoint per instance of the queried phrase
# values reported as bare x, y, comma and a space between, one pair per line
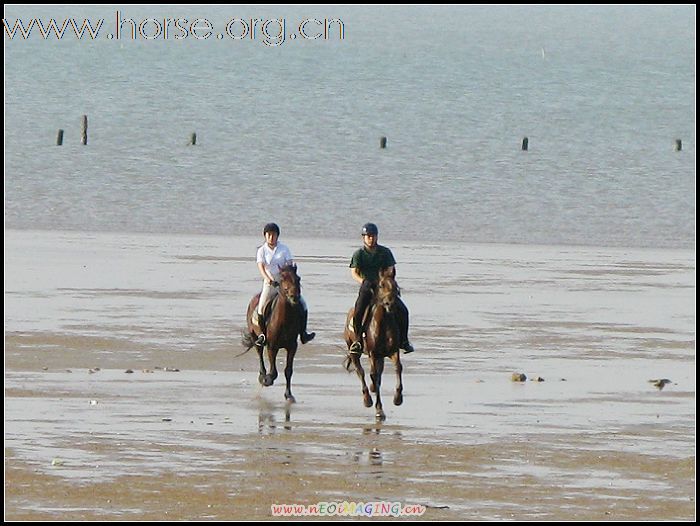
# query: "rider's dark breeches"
402, 312
364, 297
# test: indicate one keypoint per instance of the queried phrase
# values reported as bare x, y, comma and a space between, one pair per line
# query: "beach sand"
190, 434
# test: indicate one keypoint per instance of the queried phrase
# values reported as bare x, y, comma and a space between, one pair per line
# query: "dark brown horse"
381, 330
283, 324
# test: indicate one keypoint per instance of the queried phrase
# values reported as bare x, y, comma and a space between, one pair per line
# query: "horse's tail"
347, 363
247, 340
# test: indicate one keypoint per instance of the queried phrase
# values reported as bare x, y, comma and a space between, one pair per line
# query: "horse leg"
379, 368
272, 375
372, 373
288, 370
366, 397
398, 394
263, 372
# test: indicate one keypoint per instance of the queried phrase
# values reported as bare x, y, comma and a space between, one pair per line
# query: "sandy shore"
191, 435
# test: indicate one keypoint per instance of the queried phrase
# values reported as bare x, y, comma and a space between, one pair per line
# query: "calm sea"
291, 132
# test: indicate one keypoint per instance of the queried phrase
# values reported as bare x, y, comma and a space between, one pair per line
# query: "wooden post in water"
525, 144
193, 139
679, 145
59, 138
382, 142
83, 137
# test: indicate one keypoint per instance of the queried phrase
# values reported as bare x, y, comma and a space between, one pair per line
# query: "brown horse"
283, 324
381, 330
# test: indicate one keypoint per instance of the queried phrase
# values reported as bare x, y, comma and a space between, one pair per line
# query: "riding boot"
306, 337
407, 347
403, 328
356, 347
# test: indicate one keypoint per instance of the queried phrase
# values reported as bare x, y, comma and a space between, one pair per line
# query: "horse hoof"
398, 399
261, 379
368, 401
268, 381
290, 399
380, 416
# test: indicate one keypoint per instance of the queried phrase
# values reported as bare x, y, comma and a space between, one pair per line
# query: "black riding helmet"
271, 227
370, 229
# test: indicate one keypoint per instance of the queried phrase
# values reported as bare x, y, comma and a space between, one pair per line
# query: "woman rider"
272, 256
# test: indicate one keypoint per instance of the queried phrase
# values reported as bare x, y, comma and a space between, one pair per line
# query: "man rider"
365, 266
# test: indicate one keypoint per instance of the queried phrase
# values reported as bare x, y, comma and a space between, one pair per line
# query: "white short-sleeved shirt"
274, 258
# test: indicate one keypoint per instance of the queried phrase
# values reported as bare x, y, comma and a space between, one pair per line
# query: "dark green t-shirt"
369, 263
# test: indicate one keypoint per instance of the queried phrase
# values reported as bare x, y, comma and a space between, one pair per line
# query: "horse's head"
387, 289
290, 284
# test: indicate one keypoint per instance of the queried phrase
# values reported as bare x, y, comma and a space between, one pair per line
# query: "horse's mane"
288, 267
388, 289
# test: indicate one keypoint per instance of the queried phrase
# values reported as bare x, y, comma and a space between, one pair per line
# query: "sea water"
288, 128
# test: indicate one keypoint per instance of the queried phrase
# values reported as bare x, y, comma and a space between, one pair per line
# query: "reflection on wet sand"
267, 421
375, 429
371, 457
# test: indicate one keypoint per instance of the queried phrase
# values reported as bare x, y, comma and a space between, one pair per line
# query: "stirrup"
306, 337
355, 348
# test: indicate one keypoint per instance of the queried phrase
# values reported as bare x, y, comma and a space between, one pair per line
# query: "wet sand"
191, 435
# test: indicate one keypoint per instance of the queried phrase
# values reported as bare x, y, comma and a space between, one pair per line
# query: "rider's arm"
264, 273
356, 275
